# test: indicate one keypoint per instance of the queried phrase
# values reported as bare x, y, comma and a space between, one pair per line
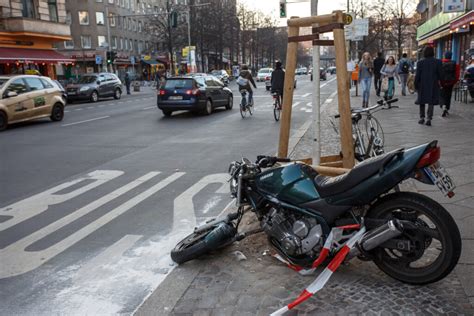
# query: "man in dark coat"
428, 83
278, 79
378, 64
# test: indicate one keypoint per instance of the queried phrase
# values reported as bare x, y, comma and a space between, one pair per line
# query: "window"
108, 77
69, 44
124, 23
134, 25
139, 26
98, 0
129, 24
34, 83
126, 44
53, 10
17, 86
130, 45
99, 17
121, 43
112, 19
86, 41
46, 83
111, 1
28, 9
114, 42
101, 41
140, 47
83, 17
117, 2
122, 3
68, 18
127, 4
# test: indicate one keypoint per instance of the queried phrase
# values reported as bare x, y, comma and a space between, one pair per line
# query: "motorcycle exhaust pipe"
374, 238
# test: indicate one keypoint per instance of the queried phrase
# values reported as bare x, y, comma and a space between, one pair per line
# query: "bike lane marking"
15, 260
86, 121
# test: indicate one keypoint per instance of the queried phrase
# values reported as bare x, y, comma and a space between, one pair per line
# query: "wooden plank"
337, 164
285, 123
330, 171
331, 158
312, 37
345, 121
310, 20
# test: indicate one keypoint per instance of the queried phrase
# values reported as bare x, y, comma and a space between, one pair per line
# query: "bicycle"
370, 143
276, 105
245, 104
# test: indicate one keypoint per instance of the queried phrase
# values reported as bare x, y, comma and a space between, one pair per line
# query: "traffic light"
111, 57
282, 9
174, 19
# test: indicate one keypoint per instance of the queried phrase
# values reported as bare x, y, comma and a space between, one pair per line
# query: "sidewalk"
220, 284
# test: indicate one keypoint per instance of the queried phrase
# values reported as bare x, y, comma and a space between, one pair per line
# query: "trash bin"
136, 86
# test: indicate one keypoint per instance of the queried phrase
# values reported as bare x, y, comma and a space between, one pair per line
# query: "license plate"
71, 92
440, 178
175, 97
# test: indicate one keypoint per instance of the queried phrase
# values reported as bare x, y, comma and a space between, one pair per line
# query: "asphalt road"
91, 206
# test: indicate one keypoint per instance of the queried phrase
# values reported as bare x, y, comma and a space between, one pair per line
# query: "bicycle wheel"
374, 130
243, 108
250, 109
277, 109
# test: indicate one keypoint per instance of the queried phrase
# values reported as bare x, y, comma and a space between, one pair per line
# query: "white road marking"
326, 83
40, 202
150, 107
85, 121
101, 106
15, 260
78, 110
67, 111
306, 95
90, 107
295, 104
309, 104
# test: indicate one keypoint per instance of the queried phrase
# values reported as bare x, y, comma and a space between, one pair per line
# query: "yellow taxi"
28, 97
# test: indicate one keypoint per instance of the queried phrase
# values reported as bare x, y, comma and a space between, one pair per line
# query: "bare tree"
400, 11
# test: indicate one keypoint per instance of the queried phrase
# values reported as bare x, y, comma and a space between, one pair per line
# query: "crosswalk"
109, 279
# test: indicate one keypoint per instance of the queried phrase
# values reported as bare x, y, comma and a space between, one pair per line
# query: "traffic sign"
98, 59
349, 17
132, 60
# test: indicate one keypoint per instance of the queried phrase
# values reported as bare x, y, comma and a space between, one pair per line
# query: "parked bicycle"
276, 105
367, 131
245, 106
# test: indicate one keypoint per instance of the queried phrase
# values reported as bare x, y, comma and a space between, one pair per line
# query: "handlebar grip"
380, 101
283, 160
392, 101
337, 116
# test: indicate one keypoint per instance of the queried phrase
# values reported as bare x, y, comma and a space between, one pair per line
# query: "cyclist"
244, 80
278, 80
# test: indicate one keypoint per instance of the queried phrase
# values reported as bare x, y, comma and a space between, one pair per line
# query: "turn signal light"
429, 158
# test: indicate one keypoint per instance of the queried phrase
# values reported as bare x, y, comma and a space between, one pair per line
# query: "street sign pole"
316, 154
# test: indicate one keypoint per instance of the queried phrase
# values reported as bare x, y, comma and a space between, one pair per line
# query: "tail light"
162, 92
193, 92
429, 157
267, 78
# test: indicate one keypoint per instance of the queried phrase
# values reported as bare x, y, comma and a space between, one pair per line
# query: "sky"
294, 9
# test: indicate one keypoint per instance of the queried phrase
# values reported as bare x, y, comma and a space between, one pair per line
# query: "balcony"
13, 20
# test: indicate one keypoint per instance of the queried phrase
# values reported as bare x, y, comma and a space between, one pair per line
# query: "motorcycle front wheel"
198, 244
435, 247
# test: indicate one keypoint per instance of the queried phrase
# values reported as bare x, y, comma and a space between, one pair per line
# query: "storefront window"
53, 10
83, 17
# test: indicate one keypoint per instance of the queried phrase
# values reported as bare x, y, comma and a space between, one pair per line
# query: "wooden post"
347, 145
285, 123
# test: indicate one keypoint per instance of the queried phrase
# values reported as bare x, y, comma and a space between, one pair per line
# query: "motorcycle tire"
448, 232
198, 244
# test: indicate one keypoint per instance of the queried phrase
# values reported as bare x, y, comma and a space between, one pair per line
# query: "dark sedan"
94, 86
193, 93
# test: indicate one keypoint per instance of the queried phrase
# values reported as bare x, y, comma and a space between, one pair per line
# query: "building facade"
29, 30
449, 26
111, 35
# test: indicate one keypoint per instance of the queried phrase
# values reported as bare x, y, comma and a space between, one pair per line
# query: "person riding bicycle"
278, 80
244, 80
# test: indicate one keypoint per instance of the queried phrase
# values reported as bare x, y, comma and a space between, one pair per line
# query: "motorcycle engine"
296, 234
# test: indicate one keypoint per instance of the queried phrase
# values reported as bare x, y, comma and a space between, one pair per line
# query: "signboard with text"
454, 6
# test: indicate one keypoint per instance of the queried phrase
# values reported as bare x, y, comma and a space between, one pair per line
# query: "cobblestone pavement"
260, 285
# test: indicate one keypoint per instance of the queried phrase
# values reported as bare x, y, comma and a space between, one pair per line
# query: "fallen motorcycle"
311, 219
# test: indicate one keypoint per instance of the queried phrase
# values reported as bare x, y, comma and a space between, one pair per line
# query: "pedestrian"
449, 77
278, 80
389, 72
350, 69
158, 79
378, 64
366, 69
244, 80
427, 83
127, 82
469, 76
404, 69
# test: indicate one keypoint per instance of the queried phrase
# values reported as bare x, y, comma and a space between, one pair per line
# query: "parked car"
195, 93
28, 97
301, 71
95, 86
222, 75
332, 70
63, 90
263, 73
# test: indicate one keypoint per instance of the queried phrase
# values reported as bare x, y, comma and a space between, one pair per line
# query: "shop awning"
463, 21
13, 55
434, 37
150, 62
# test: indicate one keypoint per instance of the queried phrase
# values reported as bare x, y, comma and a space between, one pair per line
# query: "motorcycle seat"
327, 186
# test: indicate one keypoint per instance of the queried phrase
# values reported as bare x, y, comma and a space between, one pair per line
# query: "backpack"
405, 67
448, 71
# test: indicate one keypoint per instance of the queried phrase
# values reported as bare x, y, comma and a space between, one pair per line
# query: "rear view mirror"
11, 94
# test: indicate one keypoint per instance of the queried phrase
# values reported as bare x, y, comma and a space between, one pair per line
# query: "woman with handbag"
389, 72
366, 69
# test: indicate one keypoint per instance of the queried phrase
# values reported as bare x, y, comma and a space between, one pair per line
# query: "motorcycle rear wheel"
198, 244
429, 213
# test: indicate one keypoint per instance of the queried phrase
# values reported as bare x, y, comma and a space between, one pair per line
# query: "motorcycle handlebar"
268, 161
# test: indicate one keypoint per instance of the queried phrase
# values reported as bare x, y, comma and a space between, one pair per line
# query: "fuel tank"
292, 183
